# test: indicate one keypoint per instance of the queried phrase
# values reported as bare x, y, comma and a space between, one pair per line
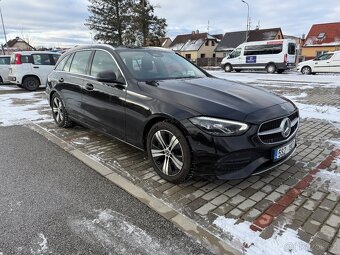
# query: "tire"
306, 70
280, 71
1, 80
59, 112
271, 68
31, 83
238, 70
169, 152
228, 68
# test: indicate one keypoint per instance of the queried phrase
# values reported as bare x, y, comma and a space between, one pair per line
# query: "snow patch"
41, 246
117, 235
18, 109
331, 179
328, 113
283, 241
335, 143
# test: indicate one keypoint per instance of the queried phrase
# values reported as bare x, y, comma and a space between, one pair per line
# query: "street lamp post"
248, 26
3, 27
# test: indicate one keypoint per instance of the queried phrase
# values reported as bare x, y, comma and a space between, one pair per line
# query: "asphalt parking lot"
294, 208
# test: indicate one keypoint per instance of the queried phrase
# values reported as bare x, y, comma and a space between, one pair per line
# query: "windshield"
325, 56
149, 65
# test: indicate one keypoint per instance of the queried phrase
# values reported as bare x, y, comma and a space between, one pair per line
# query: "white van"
326, 63
273, 56
29, 69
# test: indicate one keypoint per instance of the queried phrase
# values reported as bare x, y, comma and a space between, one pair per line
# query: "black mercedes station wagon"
189, 122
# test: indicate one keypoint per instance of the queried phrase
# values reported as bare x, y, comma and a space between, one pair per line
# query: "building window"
321, 35
319, 53
212, 43
188, 56
279, 37
202, 55
214, 55
206, 43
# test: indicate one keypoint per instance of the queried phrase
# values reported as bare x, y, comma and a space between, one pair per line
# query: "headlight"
220, 127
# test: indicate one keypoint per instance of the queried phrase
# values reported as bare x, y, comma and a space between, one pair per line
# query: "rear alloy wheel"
228, 68
271, 68
31, 83
306, 70
59, 112
169, 152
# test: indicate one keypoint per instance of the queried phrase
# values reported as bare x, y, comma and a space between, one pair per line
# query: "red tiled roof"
331, 36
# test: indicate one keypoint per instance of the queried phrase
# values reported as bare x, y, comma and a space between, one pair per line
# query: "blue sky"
61, 22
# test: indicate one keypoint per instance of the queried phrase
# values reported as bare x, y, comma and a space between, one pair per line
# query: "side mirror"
107, 77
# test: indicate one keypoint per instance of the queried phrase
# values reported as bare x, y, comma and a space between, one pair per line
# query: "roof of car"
103, 46
34, 52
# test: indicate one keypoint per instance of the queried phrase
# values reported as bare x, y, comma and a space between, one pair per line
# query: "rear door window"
291, 48
55, 58
42, 59
62, 63
80, 62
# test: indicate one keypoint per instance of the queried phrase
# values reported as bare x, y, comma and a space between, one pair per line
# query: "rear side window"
262, 49
5, 60
80, 61
42, 59
291, 48
62, 63
26, 59
55, 58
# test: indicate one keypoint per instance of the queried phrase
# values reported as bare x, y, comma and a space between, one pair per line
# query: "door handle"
36, 67
89, 86
61, 80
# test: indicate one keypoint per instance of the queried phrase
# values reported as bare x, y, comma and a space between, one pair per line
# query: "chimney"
303, 36
17, 38
197, 31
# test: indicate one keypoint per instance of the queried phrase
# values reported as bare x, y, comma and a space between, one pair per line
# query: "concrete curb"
184, 223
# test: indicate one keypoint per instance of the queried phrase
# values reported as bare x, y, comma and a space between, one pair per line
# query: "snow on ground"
290, 79
21, 108
40, 245
117, 235
331, 179
283, 241
9, 87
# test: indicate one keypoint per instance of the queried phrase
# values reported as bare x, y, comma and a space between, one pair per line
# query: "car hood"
306, 62
219, 98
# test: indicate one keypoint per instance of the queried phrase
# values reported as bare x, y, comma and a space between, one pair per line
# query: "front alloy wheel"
169, 152
306, 70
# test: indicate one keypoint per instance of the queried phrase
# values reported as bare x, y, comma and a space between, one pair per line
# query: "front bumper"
12, 79
233, 157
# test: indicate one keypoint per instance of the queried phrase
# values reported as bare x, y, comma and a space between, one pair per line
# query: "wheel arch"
30, 75
160, 118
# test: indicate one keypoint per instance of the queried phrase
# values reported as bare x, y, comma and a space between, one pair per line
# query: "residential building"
17, 44
196, 45
165, 42
233, 39
320, 39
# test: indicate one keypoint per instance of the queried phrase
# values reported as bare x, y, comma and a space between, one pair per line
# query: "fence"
208, 61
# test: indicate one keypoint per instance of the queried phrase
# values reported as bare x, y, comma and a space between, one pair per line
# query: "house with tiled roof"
195, 45
231, 40
320, 39
165, 42
17, 44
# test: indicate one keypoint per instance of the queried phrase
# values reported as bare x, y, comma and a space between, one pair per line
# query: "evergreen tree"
109, 19
125, 22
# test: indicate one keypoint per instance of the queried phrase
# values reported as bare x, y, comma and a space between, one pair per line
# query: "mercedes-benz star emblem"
286, 127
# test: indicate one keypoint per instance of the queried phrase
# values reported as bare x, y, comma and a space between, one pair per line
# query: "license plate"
282, 151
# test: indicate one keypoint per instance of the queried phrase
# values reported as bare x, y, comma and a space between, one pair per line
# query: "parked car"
189, 122
326, 63
4, 68
272, 56
29, 69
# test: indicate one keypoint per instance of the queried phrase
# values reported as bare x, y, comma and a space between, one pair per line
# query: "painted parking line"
265, 219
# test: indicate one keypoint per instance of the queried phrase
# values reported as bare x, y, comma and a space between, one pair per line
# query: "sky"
60, 23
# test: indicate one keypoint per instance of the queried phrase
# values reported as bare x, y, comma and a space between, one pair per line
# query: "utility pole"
3, 27
248, 20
